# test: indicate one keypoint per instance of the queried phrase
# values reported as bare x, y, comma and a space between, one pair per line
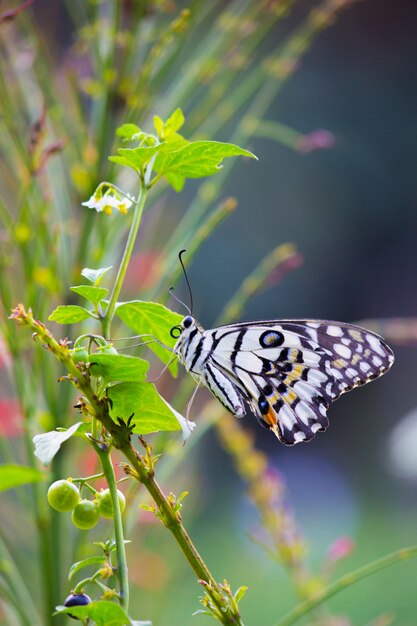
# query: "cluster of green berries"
64, 496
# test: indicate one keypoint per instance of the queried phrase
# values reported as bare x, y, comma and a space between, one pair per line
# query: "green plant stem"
344, 582
137, 217
103, 451
140, 468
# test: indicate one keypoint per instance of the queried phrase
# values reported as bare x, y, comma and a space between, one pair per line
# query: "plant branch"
143, 472
141, 468
103, 451
137, 217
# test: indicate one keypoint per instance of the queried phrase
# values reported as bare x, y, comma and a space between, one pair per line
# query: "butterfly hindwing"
290, 371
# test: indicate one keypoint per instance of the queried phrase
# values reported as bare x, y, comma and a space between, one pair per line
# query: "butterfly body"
287, 371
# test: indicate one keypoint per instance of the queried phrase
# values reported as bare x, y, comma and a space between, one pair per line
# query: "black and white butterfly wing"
290, 371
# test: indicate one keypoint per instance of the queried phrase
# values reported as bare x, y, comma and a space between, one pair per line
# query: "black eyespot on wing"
271, 339
268, 390
263, 405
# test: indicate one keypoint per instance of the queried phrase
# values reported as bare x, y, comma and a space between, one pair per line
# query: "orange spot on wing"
271, 417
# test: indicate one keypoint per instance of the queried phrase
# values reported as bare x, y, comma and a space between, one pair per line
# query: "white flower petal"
187, 426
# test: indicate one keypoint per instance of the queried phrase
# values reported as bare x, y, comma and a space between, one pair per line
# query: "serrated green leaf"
69, 314
154, 319
127, 131
12, 476
198, 158
104, 613
118, 367
92, 294
95, 276
174, 123
136, 158
151, 413
48, 444
92, 560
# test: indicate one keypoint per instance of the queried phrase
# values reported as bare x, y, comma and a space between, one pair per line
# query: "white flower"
112, 199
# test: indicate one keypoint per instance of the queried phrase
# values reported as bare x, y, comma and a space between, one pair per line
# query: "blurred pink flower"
340, 549
319, 139
10, 418
144, 271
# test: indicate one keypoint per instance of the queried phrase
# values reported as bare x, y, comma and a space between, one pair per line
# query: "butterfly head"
187, 324
188, 335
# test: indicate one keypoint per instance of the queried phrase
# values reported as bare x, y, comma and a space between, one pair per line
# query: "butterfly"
287, 371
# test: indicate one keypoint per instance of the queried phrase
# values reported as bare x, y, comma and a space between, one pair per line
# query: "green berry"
85, 515
107, 349
63, 496
105, 506
79, 355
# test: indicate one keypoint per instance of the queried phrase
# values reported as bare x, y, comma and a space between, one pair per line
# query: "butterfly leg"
190, 402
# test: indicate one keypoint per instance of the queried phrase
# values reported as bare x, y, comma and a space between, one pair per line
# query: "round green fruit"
105, 506
63, 496
107, 349
79, 355
85, 515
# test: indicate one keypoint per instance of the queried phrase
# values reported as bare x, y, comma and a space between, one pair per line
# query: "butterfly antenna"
187, 281
171, 291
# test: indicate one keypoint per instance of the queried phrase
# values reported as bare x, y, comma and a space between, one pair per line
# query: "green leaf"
95, 276
135, 158
69, 314
176, 181
12, 476
118, 367
159, 126
198, 159
127, 131
92, 560
174, 122
154, 319
48, 444
104, 613
151, 413
165, 130
92, 294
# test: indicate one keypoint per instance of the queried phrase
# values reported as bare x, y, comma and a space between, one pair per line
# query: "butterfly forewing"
288, 371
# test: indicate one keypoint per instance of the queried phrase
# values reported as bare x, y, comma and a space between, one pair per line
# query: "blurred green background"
351, 211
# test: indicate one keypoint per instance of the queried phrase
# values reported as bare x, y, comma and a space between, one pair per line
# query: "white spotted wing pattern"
288, 371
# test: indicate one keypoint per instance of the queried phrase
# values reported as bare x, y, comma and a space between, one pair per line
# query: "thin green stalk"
344, 582
42, 516
103, 451
281, 133
137, 217
19, 593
